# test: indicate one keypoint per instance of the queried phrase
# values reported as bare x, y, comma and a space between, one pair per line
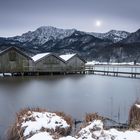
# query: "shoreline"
32, 123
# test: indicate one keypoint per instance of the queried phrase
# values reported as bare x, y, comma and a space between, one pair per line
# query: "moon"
98, 23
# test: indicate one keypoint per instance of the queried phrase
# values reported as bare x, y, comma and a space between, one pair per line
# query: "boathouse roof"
40, 56
66, 57
17, 50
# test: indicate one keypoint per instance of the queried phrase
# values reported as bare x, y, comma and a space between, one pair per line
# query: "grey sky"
19, 16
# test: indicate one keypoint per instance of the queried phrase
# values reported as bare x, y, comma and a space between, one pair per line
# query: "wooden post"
114, 74
12, 74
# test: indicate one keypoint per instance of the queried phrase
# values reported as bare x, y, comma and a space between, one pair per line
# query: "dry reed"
134, 116
93, 116
15, 132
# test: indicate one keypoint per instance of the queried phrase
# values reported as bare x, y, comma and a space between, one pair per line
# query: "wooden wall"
75, 64
49, 64
13, 61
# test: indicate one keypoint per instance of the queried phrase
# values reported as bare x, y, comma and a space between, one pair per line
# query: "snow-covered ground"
5, 74
34, 122
94, 130
1, 74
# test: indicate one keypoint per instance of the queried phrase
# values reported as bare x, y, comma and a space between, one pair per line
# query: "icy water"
74, 94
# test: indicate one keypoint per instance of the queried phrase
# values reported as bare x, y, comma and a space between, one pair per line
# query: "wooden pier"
132, 71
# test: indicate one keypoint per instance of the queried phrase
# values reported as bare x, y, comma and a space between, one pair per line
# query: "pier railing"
116, 70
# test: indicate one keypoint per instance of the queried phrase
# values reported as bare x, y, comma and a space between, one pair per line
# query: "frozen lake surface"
74, 94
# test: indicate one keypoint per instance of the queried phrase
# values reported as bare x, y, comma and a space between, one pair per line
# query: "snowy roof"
66, 57
39, 56
15, 49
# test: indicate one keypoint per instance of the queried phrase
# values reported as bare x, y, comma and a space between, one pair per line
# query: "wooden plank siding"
14, 60
75, 64
50, 63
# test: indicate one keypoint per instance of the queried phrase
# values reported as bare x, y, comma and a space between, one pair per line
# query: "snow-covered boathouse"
13, 60
74, 63
16, 62
48, 62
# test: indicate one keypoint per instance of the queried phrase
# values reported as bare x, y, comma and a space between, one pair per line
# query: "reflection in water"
73, 94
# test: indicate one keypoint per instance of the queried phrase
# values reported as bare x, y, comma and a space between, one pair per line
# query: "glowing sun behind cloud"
98, 23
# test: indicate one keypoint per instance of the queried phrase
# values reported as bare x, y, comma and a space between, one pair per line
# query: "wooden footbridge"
132, 71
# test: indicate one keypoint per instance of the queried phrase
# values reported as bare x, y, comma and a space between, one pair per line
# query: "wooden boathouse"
13, 60
74, 63
16, 62
48, 62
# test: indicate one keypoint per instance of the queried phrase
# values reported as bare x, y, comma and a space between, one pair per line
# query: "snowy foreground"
34, 123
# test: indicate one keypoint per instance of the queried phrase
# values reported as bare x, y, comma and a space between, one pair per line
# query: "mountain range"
113, 46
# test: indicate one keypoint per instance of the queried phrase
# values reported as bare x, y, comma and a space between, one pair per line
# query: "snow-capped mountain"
113, 35
133, 37
44, 34
115, 46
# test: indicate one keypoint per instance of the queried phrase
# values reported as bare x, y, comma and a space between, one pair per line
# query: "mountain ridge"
113, 35
46, 33
133, 37
111, 46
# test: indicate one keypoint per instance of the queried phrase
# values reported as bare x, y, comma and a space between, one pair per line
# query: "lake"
73, 94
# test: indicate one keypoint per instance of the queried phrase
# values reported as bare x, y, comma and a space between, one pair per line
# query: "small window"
12, 56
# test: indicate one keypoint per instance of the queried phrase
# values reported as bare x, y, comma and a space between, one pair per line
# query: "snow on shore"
93, 131
5, 74
38, 120
41, 136
137, 105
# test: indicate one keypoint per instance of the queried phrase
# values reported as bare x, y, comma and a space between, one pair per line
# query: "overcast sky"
20, 16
